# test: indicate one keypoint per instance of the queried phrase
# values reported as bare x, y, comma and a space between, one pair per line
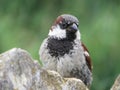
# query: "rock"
116, 85
18, 71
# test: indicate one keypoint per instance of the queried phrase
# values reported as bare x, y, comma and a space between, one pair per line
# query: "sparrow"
64, 52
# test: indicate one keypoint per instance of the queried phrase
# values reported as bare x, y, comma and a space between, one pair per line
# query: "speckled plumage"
66, 54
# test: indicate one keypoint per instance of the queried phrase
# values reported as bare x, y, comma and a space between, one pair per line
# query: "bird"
64, 52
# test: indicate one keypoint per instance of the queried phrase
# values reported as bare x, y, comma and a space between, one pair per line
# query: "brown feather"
88, 59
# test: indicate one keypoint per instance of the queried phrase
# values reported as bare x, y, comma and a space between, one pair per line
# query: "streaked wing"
87, 57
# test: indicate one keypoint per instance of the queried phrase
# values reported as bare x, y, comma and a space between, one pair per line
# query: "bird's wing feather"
87, 57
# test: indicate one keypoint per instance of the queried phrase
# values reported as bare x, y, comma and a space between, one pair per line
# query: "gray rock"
116, 85
18, 71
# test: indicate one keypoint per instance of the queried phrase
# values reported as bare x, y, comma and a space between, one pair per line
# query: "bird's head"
65, 27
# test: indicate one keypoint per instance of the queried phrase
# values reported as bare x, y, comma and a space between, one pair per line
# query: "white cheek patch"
78, 36
57, 32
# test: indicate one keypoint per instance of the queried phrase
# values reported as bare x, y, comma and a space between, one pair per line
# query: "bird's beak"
73, 28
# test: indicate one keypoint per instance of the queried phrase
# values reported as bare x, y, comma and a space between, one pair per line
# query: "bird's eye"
63, 25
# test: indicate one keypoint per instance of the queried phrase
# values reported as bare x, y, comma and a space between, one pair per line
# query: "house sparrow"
63, 51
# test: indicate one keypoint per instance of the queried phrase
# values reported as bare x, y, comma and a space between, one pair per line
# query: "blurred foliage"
25, 23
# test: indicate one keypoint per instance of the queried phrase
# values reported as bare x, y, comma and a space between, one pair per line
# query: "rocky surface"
18, 71
116, 85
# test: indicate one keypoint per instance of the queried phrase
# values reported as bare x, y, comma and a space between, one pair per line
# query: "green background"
25, 23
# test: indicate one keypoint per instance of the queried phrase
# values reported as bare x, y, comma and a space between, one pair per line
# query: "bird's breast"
59, 47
